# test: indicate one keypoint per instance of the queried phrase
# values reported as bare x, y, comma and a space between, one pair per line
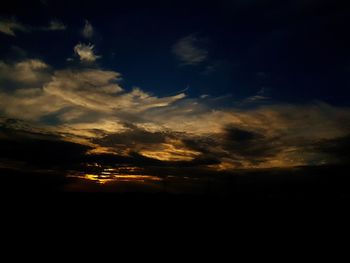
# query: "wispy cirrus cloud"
11, 26
88, 30
260, 96
55, 25
80, 92
188, 51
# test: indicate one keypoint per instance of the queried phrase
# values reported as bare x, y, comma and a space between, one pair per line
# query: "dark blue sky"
182, 87
293, 51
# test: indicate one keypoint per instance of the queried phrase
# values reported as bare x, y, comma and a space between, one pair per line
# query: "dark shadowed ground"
310, 183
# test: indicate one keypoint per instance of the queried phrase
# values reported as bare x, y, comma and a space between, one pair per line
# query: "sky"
168, 86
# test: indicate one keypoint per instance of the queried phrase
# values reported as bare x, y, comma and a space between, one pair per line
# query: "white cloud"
88, 30
188, 52
86, 52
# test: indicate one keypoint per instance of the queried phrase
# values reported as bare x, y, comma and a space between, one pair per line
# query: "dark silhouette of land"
302, 183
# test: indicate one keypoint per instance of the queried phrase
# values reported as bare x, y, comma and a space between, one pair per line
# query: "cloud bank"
89, 107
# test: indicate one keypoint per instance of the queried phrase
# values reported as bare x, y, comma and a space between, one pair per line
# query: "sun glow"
116, 174
173, 150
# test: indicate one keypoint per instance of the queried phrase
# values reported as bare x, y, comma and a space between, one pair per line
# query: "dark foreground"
304, 183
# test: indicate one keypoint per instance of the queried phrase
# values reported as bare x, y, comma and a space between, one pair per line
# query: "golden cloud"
90, 107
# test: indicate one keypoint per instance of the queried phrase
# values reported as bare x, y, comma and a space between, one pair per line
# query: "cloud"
71, 95
98, 90
89, 106
38, 149
254, 99
27, 71
335, 149
265, 136
188, 52
88, 30
86, 52
56, 25
260, 96
9, 27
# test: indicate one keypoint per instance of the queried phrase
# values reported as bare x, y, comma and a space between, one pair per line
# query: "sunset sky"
174, 86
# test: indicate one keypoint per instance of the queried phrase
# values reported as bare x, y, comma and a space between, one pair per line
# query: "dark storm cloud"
132, 136
40, 150
235, 135
336, 150
135, 159
249, 144
45, 150
239, 145
202, 144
